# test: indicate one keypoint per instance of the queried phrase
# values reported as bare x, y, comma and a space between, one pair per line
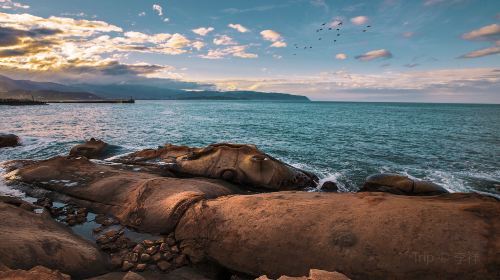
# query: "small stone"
167, 256
134, 257
139, 249
163, 265
140, 267
156, 257
159, 241
127, 265
164, 247
152, 250
174, 249
148, 243
145, 258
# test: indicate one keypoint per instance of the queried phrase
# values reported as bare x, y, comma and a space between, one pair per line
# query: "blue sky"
420, 50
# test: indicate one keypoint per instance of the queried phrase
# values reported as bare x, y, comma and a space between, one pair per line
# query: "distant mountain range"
25, 89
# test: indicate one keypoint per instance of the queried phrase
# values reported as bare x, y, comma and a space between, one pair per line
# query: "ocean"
454, 145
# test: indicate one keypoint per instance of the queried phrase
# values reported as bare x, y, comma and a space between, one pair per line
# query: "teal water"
455, 145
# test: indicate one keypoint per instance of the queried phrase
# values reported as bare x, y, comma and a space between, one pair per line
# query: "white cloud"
141, 14
158, 9
278, 44
223, 40
236, 51
484, 33
482, 52
341, 56
371, 55
275, 37
277, 56
202, 31
166, 20
359, 20
9, 4
270, 35
238, 27
198, 45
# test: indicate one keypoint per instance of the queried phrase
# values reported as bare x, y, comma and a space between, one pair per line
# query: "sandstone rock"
314, 274
90, 149
402, 185
35, 273
139, 200
29, 239
364, 235
8, 140
241, 164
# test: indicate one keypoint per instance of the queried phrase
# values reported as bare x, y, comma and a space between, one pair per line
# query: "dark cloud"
11, 36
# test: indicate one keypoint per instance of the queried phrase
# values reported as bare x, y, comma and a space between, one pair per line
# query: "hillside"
25, 89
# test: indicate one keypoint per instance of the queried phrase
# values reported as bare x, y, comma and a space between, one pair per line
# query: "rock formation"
8, 140
402, 185
90, 149
29, 239
314, 274
363, 235
240, 164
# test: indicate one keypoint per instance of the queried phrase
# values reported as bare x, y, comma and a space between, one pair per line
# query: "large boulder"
141, 200
241, 164
91, 149
29, 239
8, 140
402, 185
363, 235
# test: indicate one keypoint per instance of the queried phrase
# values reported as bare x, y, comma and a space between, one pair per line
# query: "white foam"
7, 190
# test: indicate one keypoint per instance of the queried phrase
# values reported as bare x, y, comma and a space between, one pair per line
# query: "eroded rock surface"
141, 200
402, 185
29, 239
35, 273
314, 274
92, 148
241, 164
8, 140
363, 235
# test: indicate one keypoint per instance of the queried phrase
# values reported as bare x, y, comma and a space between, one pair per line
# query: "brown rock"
90, 149
329, 186
364, 235
180, 260
145, 258
152, 250
241, 164
402, 185
144, 201
132, 276
127, 265
139, 249
35, 273
163, 265
140, 267
8, 140
156, 257
29, 239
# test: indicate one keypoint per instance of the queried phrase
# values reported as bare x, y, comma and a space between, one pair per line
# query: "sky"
384, 50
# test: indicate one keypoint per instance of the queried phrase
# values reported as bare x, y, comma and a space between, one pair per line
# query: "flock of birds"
324, 28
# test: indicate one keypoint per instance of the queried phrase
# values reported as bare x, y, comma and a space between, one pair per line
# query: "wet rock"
152, 250
90, 149
329, 186
29, 239
143, 201
241, 164
8, 140
338, 230
401, 185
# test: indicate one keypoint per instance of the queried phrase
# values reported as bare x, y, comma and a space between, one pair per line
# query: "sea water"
454, 145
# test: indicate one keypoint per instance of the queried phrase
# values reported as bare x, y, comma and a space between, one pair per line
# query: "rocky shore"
230, 211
